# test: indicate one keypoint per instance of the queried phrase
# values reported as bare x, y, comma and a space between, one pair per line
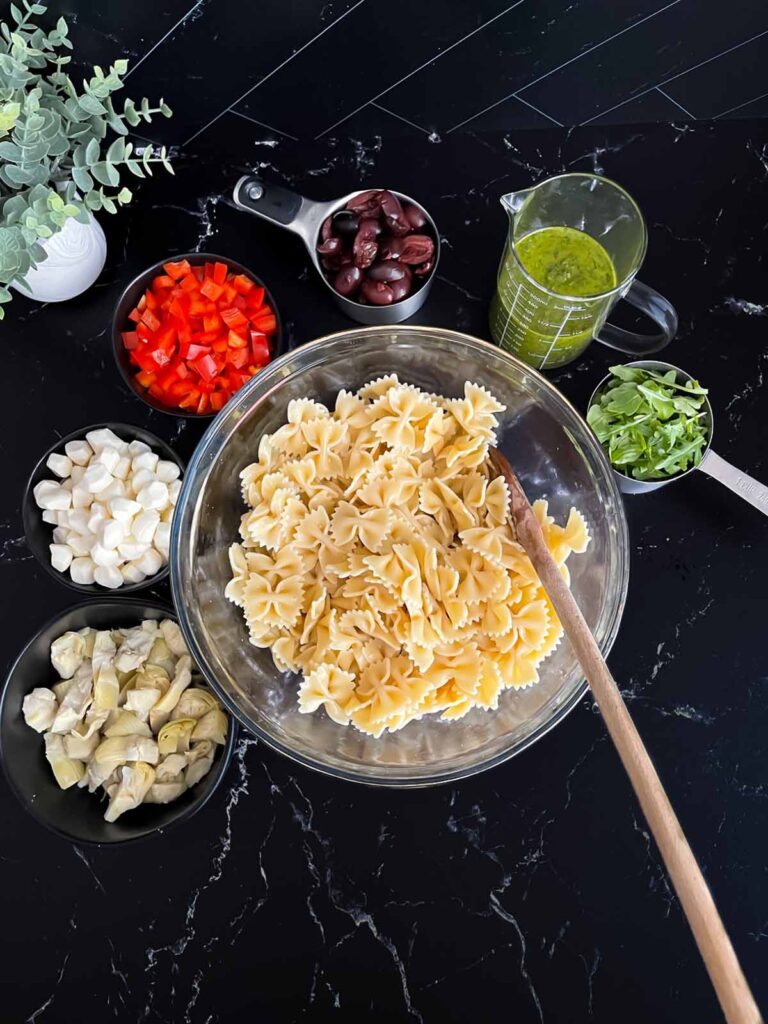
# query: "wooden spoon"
718, 954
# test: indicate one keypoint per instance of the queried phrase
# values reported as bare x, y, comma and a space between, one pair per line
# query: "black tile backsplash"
324, 68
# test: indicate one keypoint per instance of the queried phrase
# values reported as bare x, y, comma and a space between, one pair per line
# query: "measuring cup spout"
513, 201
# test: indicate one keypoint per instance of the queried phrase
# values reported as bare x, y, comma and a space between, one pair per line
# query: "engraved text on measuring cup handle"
741, 483
654, 305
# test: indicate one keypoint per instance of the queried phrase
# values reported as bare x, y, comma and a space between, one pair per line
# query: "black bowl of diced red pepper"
191, 331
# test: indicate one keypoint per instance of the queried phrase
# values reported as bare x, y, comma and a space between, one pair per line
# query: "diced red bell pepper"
195, 351
266, 323
131, 339
233, 318
149, 318
210, 290
177, 270
206, 367
219, 272
260, 348
242, 283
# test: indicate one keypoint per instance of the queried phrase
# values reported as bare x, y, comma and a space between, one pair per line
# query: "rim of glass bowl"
270, 378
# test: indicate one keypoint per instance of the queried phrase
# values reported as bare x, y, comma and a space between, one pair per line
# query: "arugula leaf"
652, 425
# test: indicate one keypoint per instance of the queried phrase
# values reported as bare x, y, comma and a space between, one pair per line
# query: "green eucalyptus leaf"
116, 152
105, 173
91, 105
82, 179
92, 152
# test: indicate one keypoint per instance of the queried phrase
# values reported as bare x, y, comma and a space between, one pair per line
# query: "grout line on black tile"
675, 77
247, 117
635, 24
738, 106
559, 67
716, 56
401, 118
673, 100
421, 67
539, 111
274, 71
160, 42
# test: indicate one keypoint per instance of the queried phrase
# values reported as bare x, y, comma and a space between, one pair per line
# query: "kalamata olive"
414, 216
386, 270
331, 262
417, 249
423, 269
402, 287
326, 231
377, 293
345, 223
366, 203
390, 247
394, 216
348, 279
365, 247
330, 247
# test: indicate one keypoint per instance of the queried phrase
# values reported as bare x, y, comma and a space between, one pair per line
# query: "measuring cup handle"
281, 206
657, 308
740, 483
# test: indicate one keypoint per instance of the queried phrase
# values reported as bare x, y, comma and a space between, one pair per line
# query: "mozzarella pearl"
82, 570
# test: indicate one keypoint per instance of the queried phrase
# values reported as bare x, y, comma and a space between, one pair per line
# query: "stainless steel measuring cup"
745, 486
305, 218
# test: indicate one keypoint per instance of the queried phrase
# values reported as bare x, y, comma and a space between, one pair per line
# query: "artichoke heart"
104, 650
194, 703
93, 721
181, 680
61, 689
161, 655
134, 650
106, 687
200, 767
173, 637
165, 792
135, 783
89, 639
141, 702
67, 653
76, 701
212, 726
117, 749
171, 767
127, 723
39, 708
175, 737
66, 771
80, 747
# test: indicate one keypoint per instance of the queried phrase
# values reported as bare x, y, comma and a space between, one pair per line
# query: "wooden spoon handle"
721, 962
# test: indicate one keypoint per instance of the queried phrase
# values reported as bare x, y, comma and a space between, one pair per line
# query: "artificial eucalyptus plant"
56, 160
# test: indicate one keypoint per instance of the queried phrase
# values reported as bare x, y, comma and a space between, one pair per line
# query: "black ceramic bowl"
131, 296
76, 814
40, 535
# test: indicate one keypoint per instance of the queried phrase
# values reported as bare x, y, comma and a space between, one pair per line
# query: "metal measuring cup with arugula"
654, 421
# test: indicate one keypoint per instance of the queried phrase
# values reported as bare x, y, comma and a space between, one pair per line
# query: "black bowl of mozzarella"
120, 454
74, 813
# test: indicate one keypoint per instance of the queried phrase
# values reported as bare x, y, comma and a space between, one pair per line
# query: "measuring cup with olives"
376, 250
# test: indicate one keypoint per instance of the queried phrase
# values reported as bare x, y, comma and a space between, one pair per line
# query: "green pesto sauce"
550, 323
567, 261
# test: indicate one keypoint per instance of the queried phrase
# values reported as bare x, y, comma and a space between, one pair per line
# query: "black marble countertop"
532, 892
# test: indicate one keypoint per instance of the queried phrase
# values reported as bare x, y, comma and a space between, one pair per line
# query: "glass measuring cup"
547, 329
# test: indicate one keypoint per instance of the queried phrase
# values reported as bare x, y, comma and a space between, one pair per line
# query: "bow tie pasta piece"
376, 558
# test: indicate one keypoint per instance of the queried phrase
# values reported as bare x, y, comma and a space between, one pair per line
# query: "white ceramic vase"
76, 257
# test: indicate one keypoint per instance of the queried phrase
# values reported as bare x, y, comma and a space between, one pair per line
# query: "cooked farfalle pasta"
376, 559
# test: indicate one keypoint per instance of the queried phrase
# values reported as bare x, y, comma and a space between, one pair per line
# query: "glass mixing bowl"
555, 455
